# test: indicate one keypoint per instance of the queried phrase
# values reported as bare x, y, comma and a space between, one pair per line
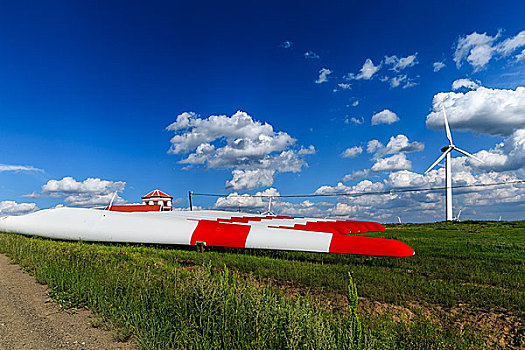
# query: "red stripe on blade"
219, 234
369, 246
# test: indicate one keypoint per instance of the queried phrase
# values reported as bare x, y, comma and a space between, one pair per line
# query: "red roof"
157, 193
133, 208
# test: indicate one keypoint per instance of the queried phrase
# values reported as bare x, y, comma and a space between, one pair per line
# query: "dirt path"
30, 321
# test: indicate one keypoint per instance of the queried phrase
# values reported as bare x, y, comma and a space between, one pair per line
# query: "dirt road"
30, 321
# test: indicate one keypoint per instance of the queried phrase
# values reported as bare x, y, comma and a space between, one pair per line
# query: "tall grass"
171, 306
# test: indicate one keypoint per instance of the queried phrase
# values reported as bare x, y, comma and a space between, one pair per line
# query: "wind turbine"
448, 164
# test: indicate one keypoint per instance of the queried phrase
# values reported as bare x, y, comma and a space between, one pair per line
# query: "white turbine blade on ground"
439, 160
468, 154
449, 135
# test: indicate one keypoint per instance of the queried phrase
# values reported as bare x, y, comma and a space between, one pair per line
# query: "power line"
355, 194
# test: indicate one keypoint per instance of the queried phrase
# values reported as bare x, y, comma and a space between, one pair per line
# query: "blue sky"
87, 91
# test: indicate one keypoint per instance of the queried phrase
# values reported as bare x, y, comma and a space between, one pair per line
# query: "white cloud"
373, 145
31, 195
246, 203
14, 208
239, 143
488, 111
520, 56
510, 45
344, 86
489, 202
367, 71
386, 116
505, 156
323, 75
408, 179
438, 66
362, 187
248, 179
88, 193
382, 203
355, 103
307, 151
356, 121
357, 174
398, 64
398, 144
396, 81
235, 200
396, 162
464, 83
286, 44
478, 49
352, 152
18, 168
311, 55
410, 83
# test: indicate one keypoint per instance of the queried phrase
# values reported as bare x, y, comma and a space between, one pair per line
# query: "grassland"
462, 290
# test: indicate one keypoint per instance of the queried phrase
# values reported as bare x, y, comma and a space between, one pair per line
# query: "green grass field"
462, 290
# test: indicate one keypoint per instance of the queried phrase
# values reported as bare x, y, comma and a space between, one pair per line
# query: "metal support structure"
189, 196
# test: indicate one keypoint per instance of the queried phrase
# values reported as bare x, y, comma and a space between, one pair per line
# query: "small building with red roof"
156, 200
157, 197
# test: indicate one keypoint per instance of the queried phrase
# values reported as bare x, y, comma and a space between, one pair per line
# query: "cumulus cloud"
323, 75
464, 83
398, 64
383, 202
505, 156
357, 174
248, 179
373, 145
14, 208
438, 66
495, 112
18, 168
398, 144
253, 150
396, 162
386, 116
367, 71
380, 201
88, 193
484, 110
235, 200
260, 202
311, 55
344, 86
478, 49
352, 152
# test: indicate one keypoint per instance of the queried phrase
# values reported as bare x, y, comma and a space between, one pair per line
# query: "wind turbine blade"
438, 160
468, 154
447, 128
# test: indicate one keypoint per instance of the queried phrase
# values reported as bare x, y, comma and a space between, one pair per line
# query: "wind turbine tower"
448, 164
